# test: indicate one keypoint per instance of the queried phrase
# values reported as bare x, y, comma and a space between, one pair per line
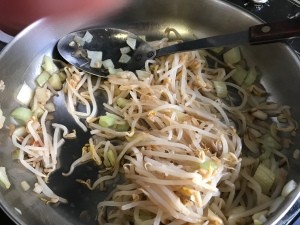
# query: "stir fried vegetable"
175, 131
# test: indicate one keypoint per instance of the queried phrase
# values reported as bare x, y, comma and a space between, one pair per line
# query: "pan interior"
21, 59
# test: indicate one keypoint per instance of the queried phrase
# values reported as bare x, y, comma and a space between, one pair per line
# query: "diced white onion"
72, 44
79, 40
4, 182
114, 71
232, 56
96, 58
2, 119
296, 154
2, 85
49, 65
108, 63
94, 55
288, 188
143, 37
25, 95
25, 186
125, 50
124, 58
87, 37
131, 42
95, 63
142, 75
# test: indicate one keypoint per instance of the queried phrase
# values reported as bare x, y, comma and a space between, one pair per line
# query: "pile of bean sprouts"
181, 153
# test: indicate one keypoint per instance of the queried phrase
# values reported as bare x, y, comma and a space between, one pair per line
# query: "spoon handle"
259, 34
273, 32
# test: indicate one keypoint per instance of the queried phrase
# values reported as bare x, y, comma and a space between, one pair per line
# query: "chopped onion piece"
239, 75
42, 78
111, 157
221, 89
108, 63
124, 58
55, 82
79, 40
95, 55
2, 85
142, 75
95, 63
288, 188
296, 154
22, 115
62, 76
122, 102
4, 182
2, 119
260, 217
143, 37
131, 42
49, 65
87, 37
125, 50
107, 121
251, 76
265, 177
25, 95
232, 56
72, 44
42, 95
25, 186
114, 71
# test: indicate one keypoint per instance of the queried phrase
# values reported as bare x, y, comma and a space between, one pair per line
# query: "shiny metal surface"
20, 61
108, 41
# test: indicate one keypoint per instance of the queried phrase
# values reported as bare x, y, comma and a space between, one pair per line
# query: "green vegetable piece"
111, 157
251, 76
106, 121
232, 56
22, 115
49, 65
146, 215
122, 102
4, 182
239, 75
265, 177
55, 82
122, 127
221, 89
270, 142
62, 76
42, 78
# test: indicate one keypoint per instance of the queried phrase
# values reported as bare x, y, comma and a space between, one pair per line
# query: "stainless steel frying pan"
20, 62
